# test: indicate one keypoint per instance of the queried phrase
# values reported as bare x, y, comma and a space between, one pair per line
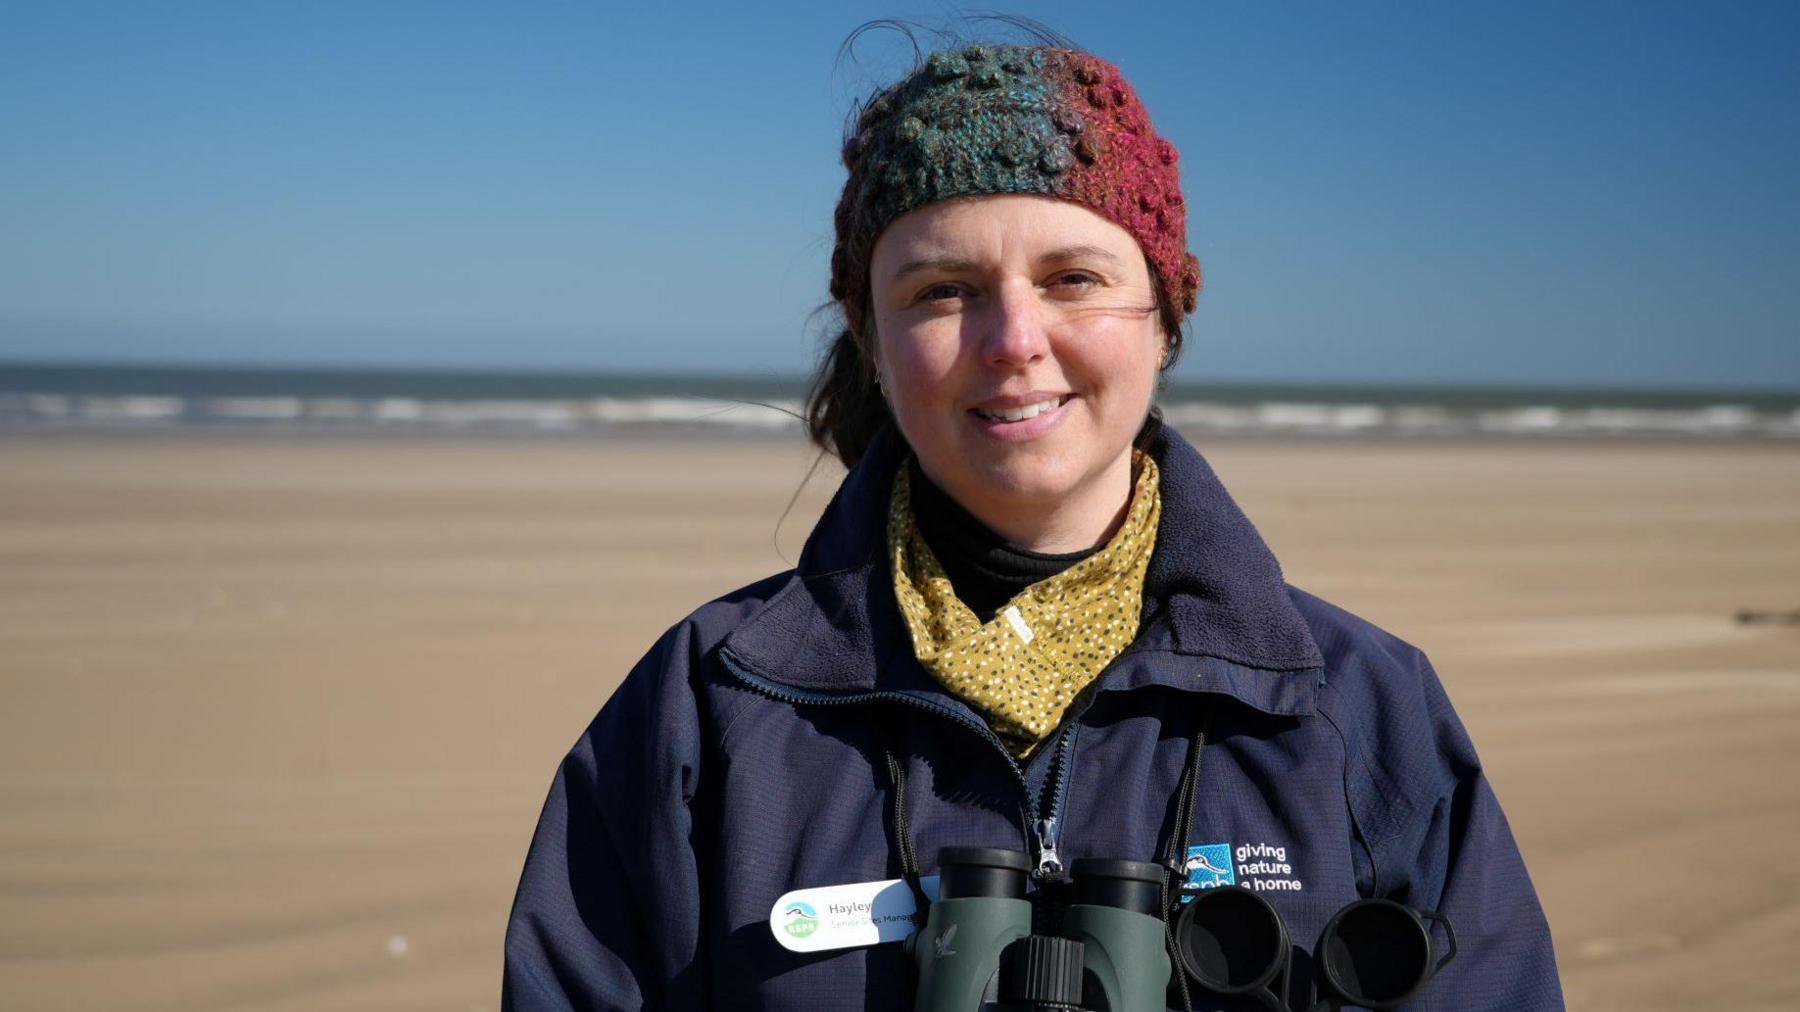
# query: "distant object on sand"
1745, 616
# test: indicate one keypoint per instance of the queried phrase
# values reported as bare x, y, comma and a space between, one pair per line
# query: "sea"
37, 397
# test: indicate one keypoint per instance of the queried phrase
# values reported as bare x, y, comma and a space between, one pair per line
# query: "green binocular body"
976, 951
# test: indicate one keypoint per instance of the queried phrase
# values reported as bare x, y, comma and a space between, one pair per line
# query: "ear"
871, 345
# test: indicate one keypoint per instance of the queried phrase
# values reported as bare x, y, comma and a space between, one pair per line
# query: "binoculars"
976, 952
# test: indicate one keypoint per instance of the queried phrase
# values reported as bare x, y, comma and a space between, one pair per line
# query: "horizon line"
576, 373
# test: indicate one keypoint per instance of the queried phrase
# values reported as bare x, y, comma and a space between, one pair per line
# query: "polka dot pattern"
1022, 669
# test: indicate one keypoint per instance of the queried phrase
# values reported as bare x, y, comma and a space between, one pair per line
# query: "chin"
1024, 478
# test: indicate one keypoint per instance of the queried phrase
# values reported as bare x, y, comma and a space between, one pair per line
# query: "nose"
1015, 332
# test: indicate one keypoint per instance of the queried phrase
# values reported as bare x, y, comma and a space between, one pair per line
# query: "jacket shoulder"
1403, 739
710, 623
1351, 644
659, 711
1375, 685
683, 660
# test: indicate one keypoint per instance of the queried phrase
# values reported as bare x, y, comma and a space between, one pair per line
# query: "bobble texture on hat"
992, 119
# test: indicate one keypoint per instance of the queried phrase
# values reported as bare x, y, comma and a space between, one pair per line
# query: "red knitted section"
1127, 172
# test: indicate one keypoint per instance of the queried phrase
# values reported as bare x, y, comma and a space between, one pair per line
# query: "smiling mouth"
1023, 412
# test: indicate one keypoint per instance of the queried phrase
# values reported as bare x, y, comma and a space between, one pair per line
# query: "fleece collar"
1217, 616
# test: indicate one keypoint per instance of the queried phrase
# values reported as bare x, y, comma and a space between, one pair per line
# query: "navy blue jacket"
744, 756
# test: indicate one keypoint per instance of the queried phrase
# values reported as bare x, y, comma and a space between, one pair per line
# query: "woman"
1031, 617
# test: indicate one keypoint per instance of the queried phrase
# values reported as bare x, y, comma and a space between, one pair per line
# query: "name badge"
846, 916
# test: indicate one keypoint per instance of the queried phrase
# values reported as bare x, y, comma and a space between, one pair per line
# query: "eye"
943, 291
1075, 281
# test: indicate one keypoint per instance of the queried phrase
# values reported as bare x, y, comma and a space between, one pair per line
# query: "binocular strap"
903, 839
1180, 832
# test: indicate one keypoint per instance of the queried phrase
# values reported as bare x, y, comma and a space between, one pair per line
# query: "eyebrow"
957, 265
947, 264
1063, 254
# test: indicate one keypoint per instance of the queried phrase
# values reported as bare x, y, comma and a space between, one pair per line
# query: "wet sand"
279, 712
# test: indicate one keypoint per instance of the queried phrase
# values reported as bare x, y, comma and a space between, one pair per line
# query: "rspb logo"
800, 919
1208, 866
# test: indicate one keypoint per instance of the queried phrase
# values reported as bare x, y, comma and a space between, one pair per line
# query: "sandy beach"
280, 712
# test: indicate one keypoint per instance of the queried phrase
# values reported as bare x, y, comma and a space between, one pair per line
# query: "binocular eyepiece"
976, 952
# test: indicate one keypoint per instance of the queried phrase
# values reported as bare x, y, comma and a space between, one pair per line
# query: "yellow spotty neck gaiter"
1022, 669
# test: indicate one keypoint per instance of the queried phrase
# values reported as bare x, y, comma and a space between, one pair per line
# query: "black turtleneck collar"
985, 569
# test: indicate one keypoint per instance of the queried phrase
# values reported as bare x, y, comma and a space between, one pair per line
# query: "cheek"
1126, 367
919, 372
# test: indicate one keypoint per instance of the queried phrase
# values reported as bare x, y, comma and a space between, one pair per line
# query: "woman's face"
1018, 341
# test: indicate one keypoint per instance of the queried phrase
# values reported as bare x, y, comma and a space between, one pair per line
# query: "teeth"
1020, 414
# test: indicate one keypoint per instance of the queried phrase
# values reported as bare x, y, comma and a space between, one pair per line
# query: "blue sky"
1575, 193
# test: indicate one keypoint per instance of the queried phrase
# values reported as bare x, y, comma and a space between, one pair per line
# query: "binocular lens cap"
1231, 940
1375, 953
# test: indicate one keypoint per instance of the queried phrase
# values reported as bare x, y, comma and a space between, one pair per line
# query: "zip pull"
1049, 864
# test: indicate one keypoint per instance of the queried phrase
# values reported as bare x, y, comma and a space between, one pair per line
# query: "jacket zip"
1043, 829
1056, 787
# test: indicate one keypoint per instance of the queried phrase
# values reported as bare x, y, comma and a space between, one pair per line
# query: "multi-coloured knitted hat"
988, 119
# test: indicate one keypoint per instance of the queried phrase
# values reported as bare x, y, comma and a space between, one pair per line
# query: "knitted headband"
990, 119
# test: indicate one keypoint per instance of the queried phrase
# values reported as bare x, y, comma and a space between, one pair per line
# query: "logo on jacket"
1208, 866
1263, 867
800, 919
